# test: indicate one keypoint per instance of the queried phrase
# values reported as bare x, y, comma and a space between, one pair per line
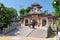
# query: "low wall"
10, 27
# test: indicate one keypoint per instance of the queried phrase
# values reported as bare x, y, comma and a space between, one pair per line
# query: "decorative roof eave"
27, 14
50, 15
43, 14
37, 6
34, 13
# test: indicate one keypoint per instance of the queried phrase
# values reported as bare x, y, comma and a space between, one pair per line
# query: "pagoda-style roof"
36, 4
39, 13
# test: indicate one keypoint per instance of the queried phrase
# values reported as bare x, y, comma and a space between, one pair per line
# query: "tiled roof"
36, 4
50, 15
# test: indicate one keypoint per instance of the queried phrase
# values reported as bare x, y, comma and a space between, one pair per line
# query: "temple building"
42, 19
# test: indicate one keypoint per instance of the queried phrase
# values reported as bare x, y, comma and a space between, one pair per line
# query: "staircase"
40, 33
23, 32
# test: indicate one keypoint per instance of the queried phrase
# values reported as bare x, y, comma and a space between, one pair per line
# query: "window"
35, 10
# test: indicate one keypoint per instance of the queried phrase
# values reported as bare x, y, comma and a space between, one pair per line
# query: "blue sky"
17, 4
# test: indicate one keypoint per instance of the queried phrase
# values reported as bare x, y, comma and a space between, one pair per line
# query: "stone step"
26, 32
23, 31
38, 33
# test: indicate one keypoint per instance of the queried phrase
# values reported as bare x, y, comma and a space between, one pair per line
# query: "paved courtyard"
25, 31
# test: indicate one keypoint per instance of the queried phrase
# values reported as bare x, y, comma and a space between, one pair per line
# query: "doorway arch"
44, 22
26, 22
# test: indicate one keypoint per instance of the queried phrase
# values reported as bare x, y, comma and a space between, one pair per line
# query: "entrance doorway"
26, 22
44, 22
35, 21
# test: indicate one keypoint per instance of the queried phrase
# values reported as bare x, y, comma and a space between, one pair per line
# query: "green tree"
6, 14
3, 14
46, 11
56, 6
22, 11
12, 12
27, 9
